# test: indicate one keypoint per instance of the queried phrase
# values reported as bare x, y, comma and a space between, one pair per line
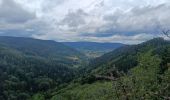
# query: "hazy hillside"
45, 49
93, 49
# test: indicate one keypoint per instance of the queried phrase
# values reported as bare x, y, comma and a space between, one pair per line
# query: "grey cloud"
138, 20
98, 21
49, 4
145, 19
17, 21
34, 27
16, 32
126, 23
101, 4
74, 19
12, 12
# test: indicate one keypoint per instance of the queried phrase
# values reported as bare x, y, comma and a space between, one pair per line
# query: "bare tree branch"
166, 33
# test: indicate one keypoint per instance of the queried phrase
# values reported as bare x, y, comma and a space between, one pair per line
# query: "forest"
31, 71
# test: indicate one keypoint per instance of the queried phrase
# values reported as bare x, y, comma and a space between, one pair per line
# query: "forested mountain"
93, 49
128, 73
33, 69
29, 66
125, 57
44, 49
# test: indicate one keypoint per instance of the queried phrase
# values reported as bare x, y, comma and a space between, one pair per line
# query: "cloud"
14, 19
148, 19
74, 19
126, 39
136, 20
12, 12
128, 21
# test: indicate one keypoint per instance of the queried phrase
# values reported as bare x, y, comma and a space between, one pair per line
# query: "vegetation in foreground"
149, 80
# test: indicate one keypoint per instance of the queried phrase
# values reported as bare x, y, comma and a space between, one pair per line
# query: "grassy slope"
95, 91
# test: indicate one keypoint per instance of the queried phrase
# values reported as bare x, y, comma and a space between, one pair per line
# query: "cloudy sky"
125, 21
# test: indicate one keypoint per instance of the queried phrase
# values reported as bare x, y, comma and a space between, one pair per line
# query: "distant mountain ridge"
93, 49
93, 45
43, 48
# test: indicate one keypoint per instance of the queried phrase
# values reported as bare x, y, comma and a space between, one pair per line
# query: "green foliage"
29, 66
141, 82
38, 97
34, 72
45, 49
95, 91
125, 58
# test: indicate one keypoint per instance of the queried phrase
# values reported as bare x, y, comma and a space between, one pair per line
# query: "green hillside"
33, 69
126, 57
147, 79
29, 66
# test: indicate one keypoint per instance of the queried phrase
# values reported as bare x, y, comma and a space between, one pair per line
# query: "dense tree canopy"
139, 71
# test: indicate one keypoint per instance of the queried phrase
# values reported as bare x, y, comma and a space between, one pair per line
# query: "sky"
123, 21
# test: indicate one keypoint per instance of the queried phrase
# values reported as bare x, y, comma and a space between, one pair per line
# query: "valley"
93, 49
32, 69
